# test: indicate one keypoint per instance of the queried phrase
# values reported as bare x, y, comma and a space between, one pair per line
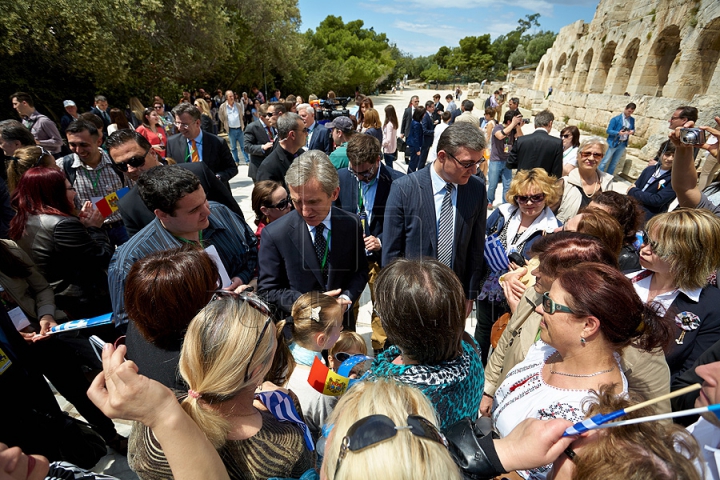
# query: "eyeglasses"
595, 155
650, 243
258, 305
182, 125
363, 175
549, 306
136, 162
282, 204
466, 166
537, 198
158, 107
342, 356
675, 118
375, 429
567, 135
70, 189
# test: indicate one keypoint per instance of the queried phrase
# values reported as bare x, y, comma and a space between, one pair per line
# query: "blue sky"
420, 27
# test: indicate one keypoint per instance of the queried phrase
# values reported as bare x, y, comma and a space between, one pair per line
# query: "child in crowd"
317, 323
349, 344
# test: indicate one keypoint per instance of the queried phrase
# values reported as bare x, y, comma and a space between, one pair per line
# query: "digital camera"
692, 136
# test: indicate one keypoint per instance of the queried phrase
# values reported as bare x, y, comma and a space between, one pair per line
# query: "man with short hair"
260, 137
439, 108
183, 215
316, 247
364, 189
42, 128
539, 149
258, 95
440, 211
428, 128
514, 104
467, 116
133, 155
231, 114
194, 145
318, 137
100, 109
292, 134
14, 135
70, 115
407, 116
342, 131
90, 172
451, 107
276, 96
619, 130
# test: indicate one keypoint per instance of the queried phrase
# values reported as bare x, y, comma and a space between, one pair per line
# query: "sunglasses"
268, 115
282, 204
258, 305
136, 162
537, 198
361, 175
595, 155
375, 429
550, 307
567, 135
650, 243
466, 165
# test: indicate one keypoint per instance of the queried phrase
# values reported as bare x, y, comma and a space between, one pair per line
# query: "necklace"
597, 185
582, 375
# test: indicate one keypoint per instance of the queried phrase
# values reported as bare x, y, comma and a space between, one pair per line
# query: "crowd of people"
588, 295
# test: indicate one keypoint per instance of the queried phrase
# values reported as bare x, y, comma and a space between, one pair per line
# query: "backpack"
487, 102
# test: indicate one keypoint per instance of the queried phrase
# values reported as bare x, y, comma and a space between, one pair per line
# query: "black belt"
111, 225
235, 128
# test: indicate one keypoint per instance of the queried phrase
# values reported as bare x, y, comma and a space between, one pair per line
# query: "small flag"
109, 204
331, 383
104, 319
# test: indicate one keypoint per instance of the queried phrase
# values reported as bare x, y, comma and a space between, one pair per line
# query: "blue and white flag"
104, 319
495, 255
281, 406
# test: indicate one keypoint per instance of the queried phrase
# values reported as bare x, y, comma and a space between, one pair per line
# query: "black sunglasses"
375, 429
258, 305
537, 198
136, 162
282, 204
650, 243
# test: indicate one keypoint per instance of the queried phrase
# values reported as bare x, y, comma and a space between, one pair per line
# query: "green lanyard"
325, 255
190, 242
361, 202
97, 178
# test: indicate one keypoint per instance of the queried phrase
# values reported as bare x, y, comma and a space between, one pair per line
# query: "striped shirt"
234, 240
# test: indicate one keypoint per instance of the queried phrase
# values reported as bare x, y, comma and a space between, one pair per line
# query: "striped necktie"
445, 228
194, 151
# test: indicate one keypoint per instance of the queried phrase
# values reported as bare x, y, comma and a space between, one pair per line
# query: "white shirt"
642, 288
233, 115
432, 155
708, 437
438, 186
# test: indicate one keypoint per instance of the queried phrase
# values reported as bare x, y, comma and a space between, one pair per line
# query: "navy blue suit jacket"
215, 154
348, 200
410, 227
289, 266
321, 139
658, 196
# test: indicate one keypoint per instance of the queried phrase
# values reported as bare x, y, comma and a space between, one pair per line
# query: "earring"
582, 340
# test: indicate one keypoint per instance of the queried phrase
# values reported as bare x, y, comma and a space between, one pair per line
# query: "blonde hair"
23, 160
689, 240
371, 119
405, 456
305, 325
349, 341
589, 142
525, 180
202, 105
214, 358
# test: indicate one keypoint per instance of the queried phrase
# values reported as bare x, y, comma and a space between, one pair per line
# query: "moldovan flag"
327, 381
109, 204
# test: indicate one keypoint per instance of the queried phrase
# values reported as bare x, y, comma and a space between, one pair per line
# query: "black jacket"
215, 153
538, 149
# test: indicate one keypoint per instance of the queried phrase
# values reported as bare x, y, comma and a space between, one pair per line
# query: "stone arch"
599, 76
659, 61
582, 74
561, 62
570, 71
539, 76
559, 73
548, 76
709, 54
625, 69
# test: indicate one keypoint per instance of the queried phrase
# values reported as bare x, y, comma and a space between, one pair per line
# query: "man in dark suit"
194, 145
538, 149
133, 155
364, 189
440, 211
292, 133
100, 109
407, 116
316, 247
260, 136
318, 137
428, 125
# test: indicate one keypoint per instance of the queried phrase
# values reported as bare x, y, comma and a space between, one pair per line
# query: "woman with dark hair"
421, 306
646, 373
570, 136
582, 333
414, 139
71, 250
270, 201
152, 129
157, 326
389, 142
118, 121
627, 211
653, 188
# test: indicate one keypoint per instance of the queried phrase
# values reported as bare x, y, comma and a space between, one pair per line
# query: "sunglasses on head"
136, 162
549, 306
537, 198
375, 429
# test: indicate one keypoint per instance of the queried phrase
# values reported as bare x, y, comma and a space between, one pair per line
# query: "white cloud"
384, 9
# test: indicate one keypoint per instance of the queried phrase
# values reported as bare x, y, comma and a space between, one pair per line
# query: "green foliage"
517, 58
436, 74
540, 44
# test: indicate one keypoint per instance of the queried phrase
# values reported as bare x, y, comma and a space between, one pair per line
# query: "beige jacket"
222, 116
646, 373
572, 197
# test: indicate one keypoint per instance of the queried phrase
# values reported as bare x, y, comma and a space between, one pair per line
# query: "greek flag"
495, 255
281, 406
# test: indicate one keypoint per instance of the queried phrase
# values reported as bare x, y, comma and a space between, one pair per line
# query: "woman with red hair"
70, 248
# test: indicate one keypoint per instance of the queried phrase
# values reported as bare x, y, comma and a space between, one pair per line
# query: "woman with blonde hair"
371, 124
206, 122
579, 186
23, 160
511, 230
227, 352
134, 113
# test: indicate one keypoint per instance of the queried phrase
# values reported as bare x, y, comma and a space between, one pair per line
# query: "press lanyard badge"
363, 219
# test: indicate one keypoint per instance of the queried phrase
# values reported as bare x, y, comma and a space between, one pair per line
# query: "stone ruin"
663, 53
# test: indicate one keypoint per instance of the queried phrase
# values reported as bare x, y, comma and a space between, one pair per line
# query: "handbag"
498, 328
465, 446
401, 144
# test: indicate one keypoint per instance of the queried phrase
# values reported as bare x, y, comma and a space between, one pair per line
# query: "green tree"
540, 44
517, 58
435, 73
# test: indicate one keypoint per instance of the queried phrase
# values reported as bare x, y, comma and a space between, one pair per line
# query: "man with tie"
194, 145
259, 137
318, 137
316, 247
292, 134
364, 189
440, 211
100, 109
